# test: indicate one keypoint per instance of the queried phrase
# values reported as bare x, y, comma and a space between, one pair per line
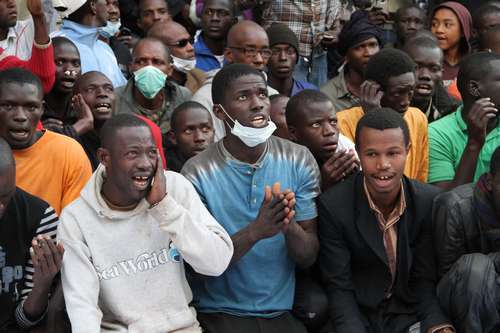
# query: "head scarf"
357, 30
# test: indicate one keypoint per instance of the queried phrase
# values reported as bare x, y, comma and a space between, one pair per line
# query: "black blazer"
354, 263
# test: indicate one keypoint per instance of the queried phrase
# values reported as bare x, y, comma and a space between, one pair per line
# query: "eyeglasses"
277, 51
252, 51
182, 42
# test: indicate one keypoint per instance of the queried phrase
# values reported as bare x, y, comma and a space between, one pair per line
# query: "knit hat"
279, 33
357, 30
67, 7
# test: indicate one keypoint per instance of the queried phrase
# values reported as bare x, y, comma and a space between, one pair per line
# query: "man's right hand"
477, 119
272, 214
53, 124
371, 95
85, 117
341, 164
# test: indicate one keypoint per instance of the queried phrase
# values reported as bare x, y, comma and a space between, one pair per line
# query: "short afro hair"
113, 125
21, 77
495, 161
388, 63
382, 119
226, 77
181, 108
475, 67
297, 105
421, 41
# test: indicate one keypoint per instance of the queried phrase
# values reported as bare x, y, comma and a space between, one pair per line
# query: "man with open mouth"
376, 250
49, 165
128, 236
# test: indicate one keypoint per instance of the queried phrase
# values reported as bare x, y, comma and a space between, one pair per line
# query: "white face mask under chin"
251, 136
183, 65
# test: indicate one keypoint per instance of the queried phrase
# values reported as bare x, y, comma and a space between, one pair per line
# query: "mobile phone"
124, 31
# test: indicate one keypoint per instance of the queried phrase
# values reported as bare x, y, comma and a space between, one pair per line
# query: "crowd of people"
219, 166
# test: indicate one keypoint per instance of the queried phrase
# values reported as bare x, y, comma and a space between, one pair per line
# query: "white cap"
67, 7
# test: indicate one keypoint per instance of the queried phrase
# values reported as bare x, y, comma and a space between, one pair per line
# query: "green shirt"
447, 141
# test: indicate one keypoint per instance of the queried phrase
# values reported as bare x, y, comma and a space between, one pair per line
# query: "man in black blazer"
376, 252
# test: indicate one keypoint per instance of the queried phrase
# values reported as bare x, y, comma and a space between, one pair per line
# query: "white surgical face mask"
110, 29
251, 136
183, 65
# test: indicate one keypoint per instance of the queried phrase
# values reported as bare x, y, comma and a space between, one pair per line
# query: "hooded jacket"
465, 19
95, 55
123, 271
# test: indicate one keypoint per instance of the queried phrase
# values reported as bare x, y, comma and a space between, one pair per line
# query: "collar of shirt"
462, 125
396, 212
233, 160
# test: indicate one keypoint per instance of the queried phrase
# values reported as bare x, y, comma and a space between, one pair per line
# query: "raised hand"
477, 119
371, 95
158, 189
341, 164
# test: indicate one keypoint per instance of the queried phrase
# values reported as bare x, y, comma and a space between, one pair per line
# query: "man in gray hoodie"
127, 237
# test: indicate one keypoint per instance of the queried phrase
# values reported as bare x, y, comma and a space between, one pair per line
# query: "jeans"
314, 71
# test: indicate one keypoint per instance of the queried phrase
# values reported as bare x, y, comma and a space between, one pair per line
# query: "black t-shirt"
25, 217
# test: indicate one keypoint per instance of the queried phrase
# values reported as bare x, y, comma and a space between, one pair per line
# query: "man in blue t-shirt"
284, 55
272, 230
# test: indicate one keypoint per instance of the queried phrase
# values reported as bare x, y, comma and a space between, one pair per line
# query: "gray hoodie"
124, 271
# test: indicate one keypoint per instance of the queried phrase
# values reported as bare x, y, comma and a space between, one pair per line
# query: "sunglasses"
182, 42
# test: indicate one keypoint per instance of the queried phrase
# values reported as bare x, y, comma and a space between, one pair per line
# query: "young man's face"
488, 21
98, 92
150, 53
113, 9
68, 67
185, 50
409, 22
8, 14
278, 107
246, 100
489, 85
429, 70
446, 27
216, 19
194, 131
357, 56
282, 61
152, 11
7, 186
130, 163
20, 111
383, 156
317, 129
399, 92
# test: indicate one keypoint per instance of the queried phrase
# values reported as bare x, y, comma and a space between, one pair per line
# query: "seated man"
461, 144
247, 43
284, 56
148, 92
82, 27
277, 114
359, 39
430, 96
390, 76
312, 122
408, 20
376, 253
50, 166
466, 239
272, 232
191, 133
29, 259
178, 40
139, 285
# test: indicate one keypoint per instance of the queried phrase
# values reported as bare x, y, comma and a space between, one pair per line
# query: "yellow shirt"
417, 162
55, 169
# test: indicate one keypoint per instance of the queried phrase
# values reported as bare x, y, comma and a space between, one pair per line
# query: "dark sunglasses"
183, 42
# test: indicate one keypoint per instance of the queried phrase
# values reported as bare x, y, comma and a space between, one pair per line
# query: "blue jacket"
95, 55
205, 59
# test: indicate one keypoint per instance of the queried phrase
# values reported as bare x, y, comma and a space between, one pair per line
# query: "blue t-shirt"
262, 282
298, 86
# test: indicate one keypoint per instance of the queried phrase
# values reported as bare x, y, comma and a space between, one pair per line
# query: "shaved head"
167, 32
243, 31
84, 78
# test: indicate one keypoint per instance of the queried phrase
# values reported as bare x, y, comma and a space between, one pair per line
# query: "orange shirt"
417, 162
54, 169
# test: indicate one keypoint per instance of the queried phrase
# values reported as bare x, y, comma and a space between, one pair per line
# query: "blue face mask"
150, 81
110, 29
